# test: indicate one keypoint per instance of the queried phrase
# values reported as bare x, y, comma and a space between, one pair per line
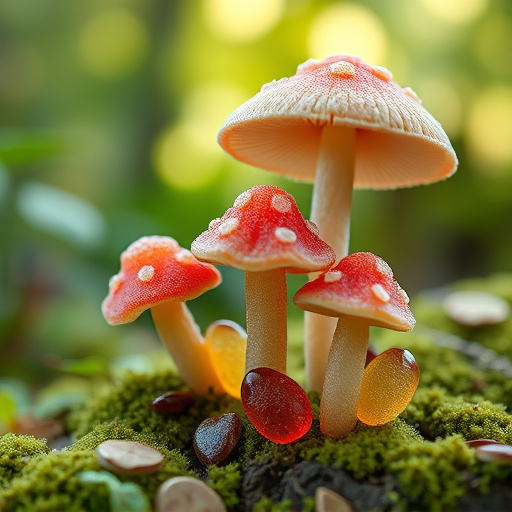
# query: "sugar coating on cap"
155, 269
264, 230
362, 284
398, 144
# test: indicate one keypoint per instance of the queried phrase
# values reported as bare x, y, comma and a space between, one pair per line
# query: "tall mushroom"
360, 291
265, 235
342, 124
157, 274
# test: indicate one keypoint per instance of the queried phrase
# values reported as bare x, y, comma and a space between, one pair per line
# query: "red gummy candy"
276, 405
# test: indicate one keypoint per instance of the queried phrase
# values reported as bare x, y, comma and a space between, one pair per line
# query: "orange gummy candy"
389, 382
226, 342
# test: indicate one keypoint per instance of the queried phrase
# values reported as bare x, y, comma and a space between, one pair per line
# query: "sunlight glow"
490, 126
348, 29
456, 11
242, 21
113, 44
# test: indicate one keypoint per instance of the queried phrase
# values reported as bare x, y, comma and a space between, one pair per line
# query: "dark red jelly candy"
173, 402
276, 405
216, 438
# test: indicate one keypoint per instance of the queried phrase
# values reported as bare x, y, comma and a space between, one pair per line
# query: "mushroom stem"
343, 376
330, 211
182, 338
266, 305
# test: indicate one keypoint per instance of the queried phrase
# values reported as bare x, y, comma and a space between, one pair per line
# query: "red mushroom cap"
155, 269
264, 230
362, 285
398, 143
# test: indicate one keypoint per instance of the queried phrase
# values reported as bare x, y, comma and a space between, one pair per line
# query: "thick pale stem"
330, 211
182, 338
266, 305
344, 373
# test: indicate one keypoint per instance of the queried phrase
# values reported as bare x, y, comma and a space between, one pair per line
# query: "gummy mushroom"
265, 235
340, 123
157, 274
361, 292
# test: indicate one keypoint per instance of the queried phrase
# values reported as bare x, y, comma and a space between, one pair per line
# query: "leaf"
7, 408
87, 366
22, 147
124, 497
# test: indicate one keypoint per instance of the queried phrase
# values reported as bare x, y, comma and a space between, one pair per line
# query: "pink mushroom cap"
155, 269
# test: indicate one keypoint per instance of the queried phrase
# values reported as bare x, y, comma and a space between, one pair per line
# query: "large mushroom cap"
155, 269
361, 285
398, 143
264, 230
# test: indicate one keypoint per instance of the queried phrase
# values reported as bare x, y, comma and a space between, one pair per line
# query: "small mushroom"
361, 292
341, 123
265, 235
157, 274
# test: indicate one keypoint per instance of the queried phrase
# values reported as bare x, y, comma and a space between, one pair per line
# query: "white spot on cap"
404, 295
185, 257
213, 223
228, 226
268, 85
115, 283
384, 268
409, 92
285, 235
146, 273
281, 203
332, 276
380, 293
306, 64
242, 199
342, 69
383, 73
312, 226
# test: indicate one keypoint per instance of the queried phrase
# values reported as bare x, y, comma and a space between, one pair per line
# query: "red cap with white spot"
155, 269
361, 285
264, 230
398, 143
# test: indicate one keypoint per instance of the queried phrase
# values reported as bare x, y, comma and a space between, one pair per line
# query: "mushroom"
157, 274
340, 123
265, 235
361, 292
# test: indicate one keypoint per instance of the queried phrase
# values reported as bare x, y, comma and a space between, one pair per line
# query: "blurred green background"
109, 112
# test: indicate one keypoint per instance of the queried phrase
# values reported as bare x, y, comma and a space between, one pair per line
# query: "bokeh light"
113, 43
489, 128
456, 11
348, 29
242, 21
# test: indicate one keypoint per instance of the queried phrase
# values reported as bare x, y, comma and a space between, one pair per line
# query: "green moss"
267, 505
15, 451
226, 480
430, 475
50, 482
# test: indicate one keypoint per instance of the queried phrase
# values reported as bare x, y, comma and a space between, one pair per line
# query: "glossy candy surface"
216, 438
276, 405
389, 382
172, 402
226, 342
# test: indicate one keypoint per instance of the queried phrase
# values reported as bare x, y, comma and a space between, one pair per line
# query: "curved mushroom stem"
330, 211
182, 338
266, 305
343, 377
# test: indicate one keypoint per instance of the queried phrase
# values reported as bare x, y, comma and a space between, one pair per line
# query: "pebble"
187, 494
326, 500
128, 457
216, 438
493, 451
173, 402
475, 309
276, 405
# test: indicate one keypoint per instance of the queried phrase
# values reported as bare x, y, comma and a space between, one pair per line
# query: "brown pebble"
494, 452
326, 500
173, 402
184, 493
128, 457
216, 438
